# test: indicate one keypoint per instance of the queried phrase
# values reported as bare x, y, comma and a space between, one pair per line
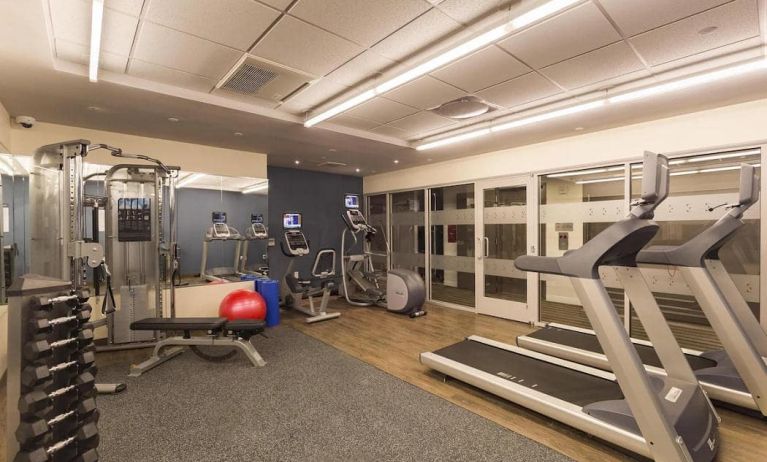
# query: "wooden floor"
392, 343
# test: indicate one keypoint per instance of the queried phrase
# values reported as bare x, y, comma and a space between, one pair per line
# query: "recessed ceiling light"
332, 149
296, 162
94, 108
577, 129
707, 30
173, 119
357, 170
396, 161
237, 133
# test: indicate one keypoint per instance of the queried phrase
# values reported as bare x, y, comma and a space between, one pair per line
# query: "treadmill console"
219, 230
257, 231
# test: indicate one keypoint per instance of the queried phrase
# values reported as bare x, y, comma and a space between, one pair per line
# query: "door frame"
516, 311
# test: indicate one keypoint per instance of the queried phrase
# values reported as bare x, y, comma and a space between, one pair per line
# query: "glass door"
503, 232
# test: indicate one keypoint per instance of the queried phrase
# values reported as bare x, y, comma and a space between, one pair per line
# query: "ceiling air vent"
267, 80
331, 164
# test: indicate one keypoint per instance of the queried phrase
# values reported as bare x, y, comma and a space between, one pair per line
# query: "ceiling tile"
80, 54
71, 21
425, 93
314, 95
131, 7
636, 16
354, 122
381, 110
305, 47
279, 4
422, 122
364, 23
360, 68
572, 33
234, 23
417, 35
734, 22
469, 11
521, 90
177, 50
388, 130
482, 69
168, 76
596, 66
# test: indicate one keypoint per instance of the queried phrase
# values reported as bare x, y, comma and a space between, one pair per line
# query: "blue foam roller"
270, 290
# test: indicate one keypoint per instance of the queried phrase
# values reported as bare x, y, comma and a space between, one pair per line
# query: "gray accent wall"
320, 198
194, 218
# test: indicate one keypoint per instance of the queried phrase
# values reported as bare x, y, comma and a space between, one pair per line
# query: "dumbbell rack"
52, 413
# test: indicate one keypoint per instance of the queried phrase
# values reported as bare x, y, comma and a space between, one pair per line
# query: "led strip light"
487, 38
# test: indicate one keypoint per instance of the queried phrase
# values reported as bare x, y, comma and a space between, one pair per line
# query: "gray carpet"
311, 402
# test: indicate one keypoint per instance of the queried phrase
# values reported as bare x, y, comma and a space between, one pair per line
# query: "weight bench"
219, 333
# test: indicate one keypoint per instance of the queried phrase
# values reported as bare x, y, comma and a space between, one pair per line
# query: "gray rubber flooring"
310, 403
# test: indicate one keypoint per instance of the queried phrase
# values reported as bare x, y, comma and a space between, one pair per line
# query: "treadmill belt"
589, 342
557, 381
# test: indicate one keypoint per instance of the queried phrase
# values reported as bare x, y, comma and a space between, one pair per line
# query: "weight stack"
51, 407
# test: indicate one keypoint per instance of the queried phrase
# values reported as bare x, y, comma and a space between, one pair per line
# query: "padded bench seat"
179, 324
251, 325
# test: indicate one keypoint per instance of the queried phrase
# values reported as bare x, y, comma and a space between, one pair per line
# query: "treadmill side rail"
544, 404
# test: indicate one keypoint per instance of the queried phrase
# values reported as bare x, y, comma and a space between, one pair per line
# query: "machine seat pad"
254, 326
179, 324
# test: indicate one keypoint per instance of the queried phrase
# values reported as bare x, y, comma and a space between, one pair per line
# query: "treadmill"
735, 375
668, 418
220, 231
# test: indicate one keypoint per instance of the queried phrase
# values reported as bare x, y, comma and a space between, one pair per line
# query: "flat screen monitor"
256, 218
218, 217
291, 220
352, 201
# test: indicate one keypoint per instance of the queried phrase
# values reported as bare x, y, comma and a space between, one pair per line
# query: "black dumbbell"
85, 383
41, 325
32, 433
86, 440
37, 403
39, 349
91, 455
41, 375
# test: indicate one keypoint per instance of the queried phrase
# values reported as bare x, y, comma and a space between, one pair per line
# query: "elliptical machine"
404, 291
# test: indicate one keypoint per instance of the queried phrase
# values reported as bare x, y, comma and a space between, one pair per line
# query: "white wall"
5, 129
190, 157
736, 124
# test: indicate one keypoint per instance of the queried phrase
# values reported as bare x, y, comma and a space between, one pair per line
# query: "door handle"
486, 251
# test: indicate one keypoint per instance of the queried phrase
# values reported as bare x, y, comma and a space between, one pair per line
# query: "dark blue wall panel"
320, 198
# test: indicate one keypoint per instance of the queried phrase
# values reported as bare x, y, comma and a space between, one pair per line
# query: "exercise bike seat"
211, 324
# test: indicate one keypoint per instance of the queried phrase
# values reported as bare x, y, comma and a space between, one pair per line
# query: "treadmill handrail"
619, 244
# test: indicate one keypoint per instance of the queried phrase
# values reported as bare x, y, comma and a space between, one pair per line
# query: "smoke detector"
465, 107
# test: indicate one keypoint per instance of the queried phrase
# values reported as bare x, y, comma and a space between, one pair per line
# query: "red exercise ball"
242, 304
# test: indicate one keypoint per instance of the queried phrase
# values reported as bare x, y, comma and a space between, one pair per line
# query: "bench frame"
171, 347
